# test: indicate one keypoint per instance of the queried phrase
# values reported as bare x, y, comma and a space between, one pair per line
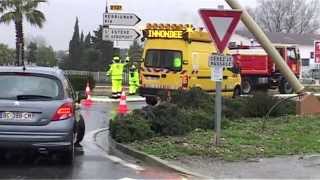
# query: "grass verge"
242, 140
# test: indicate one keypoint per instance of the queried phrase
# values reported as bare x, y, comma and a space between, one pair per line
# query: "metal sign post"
217, 125
221, 25
217, 62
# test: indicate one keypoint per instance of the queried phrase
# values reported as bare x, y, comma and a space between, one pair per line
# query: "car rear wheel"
284, 87
80, 130
151, 100
68, 155
236, 92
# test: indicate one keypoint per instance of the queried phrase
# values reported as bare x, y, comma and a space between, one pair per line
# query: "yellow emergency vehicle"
176, 57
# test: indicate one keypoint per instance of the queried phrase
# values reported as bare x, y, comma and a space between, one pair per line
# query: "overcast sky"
61, 15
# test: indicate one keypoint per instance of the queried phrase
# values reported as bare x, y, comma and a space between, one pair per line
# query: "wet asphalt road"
94, 163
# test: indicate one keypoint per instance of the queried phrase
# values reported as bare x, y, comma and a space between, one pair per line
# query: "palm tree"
17, 11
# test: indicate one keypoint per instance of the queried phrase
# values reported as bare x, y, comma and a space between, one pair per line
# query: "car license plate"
15, 115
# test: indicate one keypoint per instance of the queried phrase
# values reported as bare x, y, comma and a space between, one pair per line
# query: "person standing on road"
133, 80
116, 73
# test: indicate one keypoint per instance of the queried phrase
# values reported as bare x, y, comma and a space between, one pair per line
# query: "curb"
151, 159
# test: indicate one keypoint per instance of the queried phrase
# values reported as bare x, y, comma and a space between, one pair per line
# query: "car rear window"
13, 86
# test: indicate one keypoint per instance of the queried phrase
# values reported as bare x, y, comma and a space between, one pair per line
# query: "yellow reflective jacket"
116, 71
134, 76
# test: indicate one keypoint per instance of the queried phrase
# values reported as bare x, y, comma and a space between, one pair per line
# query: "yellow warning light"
161, 26
170, 26
167, 26
149, 26
189, 27
154, 26
180, 26
174, 27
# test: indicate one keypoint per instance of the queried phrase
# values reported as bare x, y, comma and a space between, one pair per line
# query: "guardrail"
99, 77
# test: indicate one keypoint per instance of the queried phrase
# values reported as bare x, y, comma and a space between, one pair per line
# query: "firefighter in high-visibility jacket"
133, 80
116, 73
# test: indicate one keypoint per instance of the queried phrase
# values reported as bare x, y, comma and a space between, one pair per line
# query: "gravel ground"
279, 167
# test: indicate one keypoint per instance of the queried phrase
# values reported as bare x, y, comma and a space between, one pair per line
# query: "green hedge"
79, 82
189, 110
130, 128
256, 106
165, 119
195, 98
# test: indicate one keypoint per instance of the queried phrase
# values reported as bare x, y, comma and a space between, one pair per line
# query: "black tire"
81, 128
236, 92
285, 87
68, 155
246, 86
151, 100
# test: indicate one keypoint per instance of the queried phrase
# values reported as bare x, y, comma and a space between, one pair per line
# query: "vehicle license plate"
15, 116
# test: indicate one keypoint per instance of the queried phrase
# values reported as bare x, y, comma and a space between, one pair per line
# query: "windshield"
19, 87
164, 59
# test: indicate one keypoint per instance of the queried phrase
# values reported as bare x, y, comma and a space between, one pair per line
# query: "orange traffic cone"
88, 91
123, 108
88, 100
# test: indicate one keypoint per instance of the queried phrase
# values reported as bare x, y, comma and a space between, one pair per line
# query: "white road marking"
89, 137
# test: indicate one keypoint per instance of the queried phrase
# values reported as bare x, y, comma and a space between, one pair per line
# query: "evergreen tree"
46, 57
6, 55
82, 37
88, 53
74, 49
105, 49
87, 40
135, 52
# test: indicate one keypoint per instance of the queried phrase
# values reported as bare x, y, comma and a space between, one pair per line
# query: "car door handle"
163, 75
225, 77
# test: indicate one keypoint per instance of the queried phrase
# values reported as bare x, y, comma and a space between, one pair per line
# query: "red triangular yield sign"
220, 24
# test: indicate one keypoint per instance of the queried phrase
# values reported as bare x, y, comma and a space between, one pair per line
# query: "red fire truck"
258, 71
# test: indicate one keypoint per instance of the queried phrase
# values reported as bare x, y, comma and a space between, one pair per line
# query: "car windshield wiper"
33, 97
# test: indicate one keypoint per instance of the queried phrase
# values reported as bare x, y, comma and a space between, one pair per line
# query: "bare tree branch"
288, 16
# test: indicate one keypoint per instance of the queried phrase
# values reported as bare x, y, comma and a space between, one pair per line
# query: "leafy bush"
168, 119
130, 128
256, 106
193, 110
199, 119
79, 82
195, 98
